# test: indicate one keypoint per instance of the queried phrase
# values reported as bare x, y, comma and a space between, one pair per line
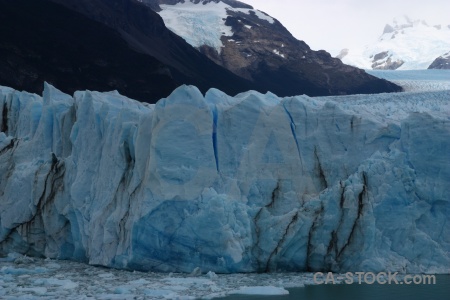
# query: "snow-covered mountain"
405, 45
244, 184
257, 47
442, 62
102, 45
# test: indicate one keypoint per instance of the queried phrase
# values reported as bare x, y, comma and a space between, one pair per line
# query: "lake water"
362, 292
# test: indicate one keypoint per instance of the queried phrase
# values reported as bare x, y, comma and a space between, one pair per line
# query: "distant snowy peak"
406, 44
402, 22
442, 62
203, 23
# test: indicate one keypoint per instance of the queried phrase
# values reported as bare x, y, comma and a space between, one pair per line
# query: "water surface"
362, 292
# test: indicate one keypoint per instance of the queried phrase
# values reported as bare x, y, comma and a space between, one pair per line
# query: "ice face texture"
244, 184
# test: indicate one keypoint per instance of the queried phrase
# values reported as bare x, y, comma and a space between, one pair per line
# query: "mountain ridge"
255, 46
110, 59
145, 32
154, 59
405, 44
442, 62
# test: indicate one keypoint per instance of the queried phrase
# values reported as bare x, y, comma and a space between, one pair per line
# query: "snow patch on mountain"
258, 13
442, 62
405, 45
198, 24
277, 52
203, 24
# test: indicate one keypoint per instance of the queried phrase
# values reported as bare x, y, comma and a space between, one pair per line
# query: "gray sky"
336, 24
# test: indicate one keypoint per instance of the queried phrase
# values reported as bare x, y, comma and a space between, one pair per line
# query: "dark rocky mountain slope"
442, 62
145, 32
262, 50
125, 45
44, 41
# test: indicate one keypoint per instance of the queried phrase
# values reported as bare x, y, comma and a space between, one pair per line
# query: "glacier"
201, 24
251, 183
416, 80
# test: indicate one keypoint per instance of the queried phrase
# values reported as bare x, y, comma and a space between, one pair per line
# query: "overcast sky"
336, 24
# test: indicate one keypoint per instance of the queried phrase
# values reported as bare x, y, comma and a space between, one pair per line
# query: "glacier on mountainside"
250, 183
416, 80
203, 23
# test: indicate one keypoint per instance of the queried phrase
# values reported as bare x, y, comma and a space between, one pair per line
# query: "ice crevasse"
250, 183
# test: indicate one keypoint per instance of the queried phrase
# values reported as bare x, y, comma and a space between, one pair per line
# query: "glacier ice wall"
252, 183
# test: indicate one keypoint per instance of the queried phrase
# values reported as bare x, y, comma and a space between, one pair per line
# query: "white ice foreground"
252, 183
49, 279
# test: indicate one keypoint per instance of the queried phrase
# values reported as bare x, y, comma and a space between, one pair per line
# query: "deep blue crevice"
214, 136
293, 128
4, 125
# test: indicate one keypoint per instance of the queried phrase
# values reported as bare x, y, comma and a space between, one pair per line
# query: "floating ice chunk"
22, 271
115, 296
138, 282
212, 275
122, 290
65, 284
11, 257
23, 260
196, 272
189, 281
261, 290
34, 290
161, 293
106, 275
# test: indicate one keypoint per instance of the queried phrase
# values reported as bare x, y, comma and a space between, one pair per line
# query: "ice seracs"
250, 183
